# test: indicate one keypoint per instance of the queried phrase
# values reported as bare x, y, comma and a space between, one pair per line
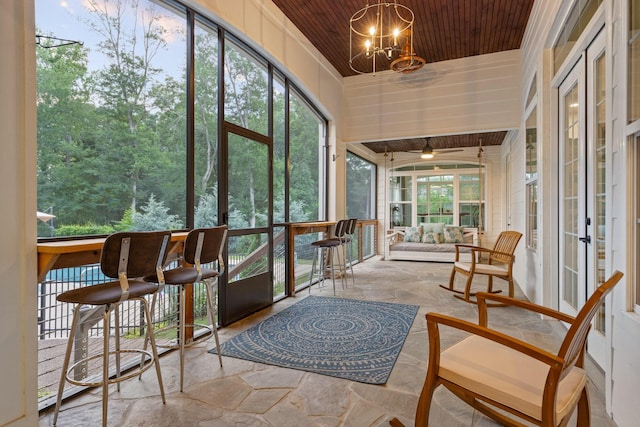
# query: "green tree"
206, 111
359, 189
63, 113
124, 85
245, 104
155, 216
304, 162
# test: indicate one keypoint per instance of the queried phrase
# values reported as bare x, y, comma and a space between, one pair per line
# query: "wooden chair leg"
396, 423
452, 278
584, 411
467, 288
424, 404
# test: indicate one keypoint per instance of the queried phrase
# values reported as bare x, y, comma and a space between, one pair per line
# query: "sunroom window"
446, 193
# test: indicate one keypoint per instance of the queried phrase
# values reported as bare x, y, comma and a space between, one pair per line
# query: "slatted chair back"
504, 247
573, 345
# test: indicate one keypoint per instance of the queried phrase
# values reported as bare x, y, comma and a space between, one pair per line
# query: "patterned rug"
344, 338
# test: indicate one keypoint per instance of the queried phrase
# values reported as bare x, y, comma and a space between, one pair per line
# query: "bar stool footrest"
137, 369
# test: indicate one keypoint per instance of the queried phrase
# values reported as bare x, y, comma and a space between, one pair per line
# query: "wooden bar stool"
126, 257
202, 246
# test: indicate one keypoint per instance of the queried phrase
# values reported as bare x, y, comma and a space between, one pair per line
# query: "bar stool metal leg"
65, 363
108, 296
105, 365
212, 312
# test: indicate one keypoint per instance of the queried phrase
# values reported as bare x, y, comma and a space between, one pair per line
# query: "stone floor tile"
247, 394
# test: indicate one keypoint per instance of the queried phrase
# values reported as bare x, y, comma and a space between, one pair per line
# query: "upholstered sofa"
429, 242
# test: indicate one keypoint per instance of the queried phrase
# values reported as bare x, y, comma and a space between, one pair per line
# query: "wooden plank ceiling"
443, 30
437, 142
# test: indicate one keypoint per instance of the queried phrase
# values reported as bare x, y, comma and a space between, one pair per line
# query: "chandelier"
383, 32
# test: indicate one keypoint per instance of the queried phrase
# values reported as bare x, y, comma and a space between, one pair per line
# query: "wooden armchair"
492, 371
499, 263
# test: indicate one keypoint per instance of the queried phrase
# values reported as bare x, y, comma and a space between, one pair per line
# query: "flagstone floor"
243, 393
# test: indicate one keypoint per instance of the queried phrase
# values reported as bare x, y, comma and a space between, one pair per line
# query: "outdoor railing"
54, 318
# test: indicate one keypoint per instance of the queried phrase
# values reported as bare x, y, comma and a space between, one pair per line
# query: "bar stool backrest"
351, 226
146, 249
205, 245
341, 228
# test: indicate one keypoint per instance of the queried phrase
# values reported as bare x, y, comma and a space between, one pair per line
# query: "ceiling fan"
428, 152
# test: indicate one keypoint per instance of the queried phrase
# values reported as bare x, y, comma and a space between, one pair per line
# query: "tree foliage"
112, 129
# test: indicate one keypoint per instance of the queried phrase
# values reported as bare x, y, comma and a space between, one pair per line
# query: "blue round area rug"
344, 338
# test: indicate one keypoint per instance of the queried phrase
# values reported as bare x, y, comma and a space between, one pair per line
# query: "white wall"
468, 95
622, 368
18, 339
479, 93
624, 376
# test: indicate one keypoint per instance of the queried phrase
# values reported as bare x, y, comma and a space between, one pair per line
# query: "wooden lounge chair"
499, 263
507, 379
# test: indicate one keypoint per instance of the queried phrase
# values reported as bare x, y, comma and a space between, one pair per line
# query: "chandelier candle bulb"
390, 37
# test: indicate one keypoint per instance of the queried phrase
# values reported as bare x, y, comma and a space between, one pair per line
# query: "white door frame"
581, 269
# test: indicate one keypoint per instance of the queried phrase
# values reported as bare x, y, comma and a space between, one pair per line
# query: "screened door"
247, 210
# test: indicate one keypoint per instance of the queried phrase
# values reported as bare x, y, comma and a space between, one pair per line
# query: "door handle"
585, 239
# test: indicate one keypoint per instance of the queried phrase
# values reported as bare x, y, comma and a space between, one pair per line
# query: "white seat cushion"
493, 269
507, 376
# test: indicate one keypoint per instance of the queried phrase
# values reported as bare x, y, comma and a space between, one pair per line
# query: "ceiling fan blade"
451, 150
436, 151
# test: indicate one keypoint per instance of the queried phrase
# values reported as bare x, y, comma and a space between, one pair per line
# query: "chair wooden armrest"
435, 319
476, 252
493, 252
510, 301
467, 246
506, 378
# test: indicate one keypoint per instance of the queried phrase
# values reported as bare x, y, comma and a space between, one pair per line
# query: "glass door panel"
572, 176
583, 166
596, 189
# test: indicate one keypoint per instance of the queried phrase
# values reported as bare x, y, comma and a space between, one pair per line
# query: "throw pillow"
436, 227
431, 237
413, 234
453, 234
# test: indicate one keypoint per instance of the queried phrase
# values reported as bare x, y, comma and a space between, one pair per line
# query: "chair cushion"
327, 243
491, 269
507, 376
106, 293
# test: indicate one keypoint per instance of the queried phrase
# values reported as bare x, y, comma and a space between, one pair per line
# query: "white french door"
583, 202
